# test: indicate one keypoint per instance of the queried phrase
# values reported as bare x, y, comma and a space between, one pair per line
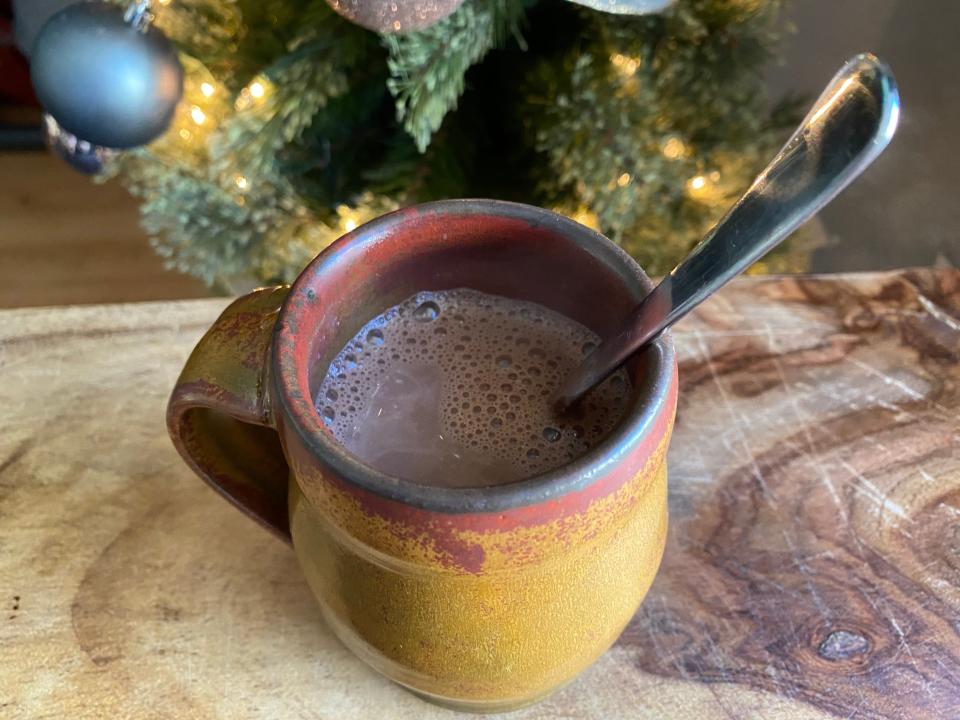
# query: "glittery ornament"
110, 79
627, 7
394, 16
79, 154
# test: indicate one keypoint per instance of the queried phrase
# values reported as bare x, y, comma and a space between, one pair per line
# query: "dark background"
905, 210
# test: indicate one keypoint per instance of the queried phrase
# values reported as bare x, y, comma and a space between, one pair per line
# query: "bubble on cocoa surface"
427, 311
551, 434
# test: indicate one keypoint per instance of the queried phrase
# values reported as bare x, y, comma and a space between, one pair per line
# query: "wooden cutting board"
812, 569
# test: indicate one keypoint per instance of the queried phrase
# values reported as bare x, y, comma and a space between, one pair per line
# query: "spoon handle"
848, 127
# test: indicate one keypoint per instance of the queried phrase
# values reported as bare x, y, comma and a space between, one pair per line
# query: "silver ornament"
79, 154
394, 16
112, 80
627, 7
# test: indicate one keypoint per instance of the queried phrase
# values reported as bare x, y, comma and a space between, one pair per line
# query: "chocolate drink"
453, 389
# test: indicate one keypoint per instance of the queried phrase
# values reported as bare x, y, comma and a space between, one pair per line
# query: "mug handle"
219, 415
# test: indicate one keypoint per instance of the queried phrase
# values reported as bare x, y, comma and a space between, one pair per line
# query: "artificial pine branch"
207, 30
427, 67
250, 141
318, 66
660, 122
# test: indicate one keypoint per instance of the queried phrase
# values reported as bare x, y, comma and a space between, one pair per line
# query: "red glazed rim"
293, 398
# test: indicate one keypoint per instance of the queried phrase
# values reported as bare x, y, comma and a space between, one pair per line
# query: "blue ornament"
109, 80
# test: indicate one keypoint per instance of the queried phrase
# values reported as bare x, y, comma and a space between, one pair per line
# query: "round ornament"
627, 7
111, 80
78, 154
394, 16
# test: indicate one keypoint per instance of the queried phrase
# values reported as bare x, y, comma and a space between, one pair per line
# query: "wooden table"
54, 243
812, 570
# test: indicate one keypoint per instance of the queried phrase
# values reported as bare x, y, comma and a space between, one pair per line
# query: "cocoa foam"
453, 388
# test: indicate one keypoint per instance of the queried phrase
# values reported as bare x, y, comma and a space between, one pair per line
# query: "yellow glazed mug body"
485, 598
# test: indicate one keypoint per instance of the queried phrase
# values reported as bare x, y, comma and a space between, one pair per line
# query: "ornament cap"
138, 15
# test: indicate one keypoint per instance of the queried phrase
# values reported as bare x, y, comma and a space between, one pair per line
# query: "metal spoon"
848, 127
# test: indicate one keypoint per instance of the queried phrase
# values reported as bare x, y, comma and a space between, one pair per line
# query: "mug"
482, 599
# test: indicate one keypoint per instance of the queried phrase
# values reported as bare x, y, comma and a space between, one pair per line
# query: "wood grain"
65, 239
812, 571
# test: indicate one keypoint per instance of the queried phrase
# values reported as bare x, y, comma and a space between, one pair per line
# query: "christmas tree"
298, 124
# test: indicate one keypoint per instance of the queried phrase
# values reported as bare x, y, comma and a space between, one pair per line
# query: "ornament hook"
138, 15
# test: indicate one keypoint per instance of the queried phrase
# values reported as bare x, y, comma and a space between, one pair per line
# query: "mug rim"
299, 411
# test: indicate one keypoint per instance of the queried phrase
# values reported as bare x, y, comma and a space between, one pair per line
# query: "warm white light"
623, 180
350, 224
697, 182
625, 64
206, 88
674, 148
164, 2
256, 89
198, 115
585, 216
185, 134
241, 182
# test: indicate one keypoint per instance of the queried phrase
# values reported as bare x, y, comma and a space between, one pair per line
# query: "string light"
625, 64
241, 182
164, 2
256, 90
585, 216
704, 187
185, 134
349, 218
624, 180
207, 89
198, 115
674, 148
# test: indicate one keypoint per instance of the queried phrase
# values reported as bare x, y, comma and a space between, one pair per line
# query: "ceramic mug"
481, 598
